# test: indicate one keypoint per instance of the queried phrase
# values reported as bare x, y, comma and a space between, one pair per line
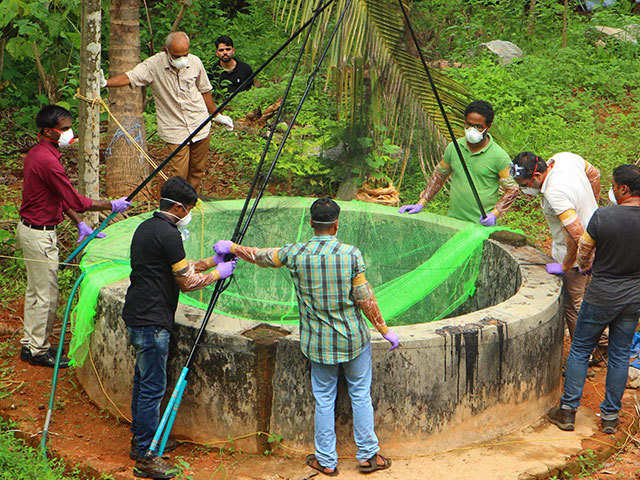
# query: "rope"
95, 370
99, 101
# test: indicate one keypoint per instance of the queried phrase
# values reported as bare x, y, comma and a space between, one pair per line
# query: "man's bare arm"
208, 101
119, 80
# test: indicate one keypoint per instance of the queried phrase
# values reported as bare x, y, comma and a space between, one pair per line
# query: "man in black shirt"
159, 271
612, 299
229, 73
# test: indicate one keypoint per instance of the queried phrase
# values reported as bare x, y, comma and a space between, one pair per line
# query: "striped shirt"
332, 328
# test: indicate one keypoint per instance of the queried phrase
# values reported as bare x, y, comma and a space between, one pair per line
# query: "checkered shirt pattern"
332, 328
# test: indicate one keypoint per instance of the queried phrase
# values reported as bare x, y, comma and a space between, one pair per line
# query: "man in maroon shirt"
46, 194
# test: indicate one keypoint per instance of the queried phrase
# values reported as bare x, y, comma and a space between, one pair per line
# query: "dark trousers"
149, 382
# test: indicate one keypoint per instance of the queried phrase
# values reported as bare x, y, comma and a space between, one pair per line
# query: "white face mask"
66, 138
530, 191
178, 63
612, 196
473, 135
182, 222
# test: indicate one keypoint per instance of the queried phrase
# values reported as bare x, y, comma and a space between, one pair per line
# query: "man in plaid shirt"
332, 293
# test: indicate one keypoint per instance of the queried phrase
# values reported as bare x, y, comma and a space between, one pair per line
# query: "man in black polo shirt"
612, 299
159, 270
229, 73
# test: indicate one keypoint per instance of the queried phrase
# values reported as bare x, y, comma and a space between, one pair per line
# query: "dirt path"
84, 435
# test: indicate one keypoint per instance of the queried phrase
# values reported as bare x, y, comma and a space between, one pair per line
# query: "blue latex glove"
222, 247
489, 221
554, 268
410, 208
120, 205
84, 231
225, 269
218, 259
393, 339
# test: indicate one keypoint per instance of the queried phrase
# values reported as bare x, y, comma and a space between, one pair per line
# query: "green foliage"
18, 461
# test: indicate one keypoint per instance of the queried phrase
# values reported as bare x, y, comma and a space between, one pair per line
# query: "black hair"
526, 163
178, 189
324, 211
628, 175
49, 116
483, 108
224, 39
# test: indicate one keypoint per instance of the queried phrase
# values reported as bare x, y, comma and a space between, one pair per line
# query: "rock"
506, 51
634, 378
628, 33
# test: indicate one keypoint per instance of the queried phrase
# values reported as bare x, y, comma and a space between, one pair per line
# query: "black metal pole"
442, 111
220, 285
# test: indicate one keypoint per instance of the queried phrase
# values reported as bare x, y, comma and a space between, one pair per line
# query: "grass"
19, 461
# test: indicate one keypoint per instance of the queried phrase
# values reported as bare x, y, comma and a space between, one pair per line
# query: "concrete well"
491, 366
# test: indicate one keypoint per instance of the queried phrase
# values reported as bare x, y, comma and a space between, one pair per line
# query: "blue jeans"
324, 381
149, 382
592, 320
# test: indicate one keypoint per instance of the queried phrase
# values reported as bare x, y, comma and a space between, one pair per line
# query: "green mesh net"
422, 266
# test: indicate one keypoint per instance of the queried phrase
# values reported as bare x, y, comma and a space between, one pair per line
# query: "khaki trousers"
574, 285
190, 163
41, 296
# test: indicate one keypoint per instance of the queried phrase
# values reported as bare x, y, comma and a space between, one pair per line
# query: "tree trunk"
3, 42
532, 16
126, 168
89, 115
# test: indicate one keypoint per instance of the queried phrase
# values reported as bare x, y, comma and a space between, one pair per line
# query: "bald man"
182, 94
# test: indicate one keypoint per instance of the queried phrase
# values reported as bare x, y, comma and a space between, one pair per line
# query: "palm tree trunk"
89, 115
126, 168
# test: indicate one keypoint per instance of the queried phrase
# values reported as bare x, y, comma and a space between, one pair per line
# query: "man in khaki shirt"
182, 94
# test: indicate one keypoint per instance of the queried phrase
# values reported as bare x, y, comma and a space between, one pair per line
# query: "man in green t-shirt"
488, 165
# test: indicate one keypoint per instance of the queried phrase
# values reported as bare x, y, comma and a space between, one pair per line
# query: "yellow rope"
102, 103
95, 370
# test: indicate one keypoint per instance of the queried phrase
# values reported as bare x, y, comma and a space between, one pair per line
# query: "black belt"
38, 227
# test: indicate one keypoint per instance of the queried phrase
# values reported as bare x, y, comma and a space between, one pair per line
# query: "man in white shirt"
570, 188
182, 94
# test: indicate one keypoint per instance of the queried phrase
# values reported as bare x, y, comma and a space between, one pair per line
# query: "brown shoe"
610, 426
154, 467
562, 418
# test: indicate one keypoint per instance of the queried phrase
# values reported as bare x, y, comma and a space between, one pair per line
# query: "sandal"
313, 462
373, 464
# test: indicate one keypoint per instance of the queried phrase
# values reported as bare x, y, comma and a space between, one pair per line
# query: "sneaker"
25, 354
133, 453
610, 426
562, 418
154, 467
47, 360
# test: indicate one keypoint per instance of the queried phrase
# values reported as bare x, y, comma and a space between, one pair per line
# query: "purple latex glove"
218, 259
84, 231
120, 205
554, 268
410, 208
225, 269
393, 339
489, 221
222, 247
